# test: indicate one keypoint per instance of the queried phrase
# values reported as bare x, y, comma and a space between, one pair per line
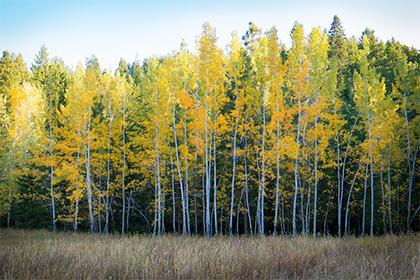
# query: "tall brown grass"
44, 255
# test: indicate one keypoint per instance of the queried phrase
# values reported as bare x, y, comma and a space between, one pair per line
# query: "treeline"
318, 138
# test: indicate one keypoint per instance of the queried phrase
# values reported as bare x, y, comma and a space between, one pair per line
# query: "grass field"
44, 255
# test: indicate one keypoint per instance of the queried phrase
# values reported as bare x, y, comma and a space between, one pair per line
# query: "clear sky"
74, 30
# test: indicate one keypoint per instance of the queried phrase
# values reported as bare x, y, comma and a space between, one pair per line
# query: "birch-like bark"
158, 216
232, 194
215, 183
187, 200
195, 195
76, 207
338, 161
88, 173
276, 211
372, 193
108, 169
364, 200
173, 196
261, 230
296, 170
248, 209
178, 167
208, 225
316, 181
308, 209
383, 199
52, 173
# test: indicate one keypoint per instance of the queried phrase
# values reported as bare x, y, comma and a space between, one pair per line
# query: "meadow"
26, 254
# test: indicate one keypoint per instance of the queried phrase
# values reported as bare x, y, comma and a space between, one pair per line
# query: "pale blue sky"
74, 30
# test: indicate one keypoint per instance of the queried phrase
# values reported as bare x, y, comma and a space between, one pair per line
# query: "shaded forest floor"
44, 255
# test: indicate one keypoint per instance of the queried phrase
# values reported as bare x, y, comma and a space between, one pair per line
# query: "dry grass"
43, 255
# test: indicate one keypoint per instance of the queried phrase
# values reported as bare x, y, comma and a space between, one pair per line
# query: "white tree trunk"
108, 170
178, 165
215, 182
261, 231
208, 224
316, 182
232, 195
187, 202
173, 196
276, 212
296, 170
364, 200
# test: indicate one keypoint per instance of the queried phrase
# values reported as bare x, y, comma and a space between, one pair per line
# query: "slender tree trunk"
339, 189
88, 176
383, 200
187, 201
316, 182
208, 225
156, 208
308, 209
173, 196
302, 205
76, 207
296, 170
108, 170
372, 202
215, 182
262, 231
178, 167
76, 213
53, 218
99, 203
364, 200
52, 176
162, 211
195, 195
248, 210
158, 194
203, 201
257, 227
158, 216
339, 181
232, 195
276, 211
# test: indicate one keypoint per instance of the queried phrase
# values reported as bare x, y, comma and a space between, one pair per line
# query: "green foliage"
153, 136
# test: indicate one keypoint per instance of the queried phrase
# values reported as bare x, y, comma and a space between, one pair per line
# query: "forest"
255, 138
